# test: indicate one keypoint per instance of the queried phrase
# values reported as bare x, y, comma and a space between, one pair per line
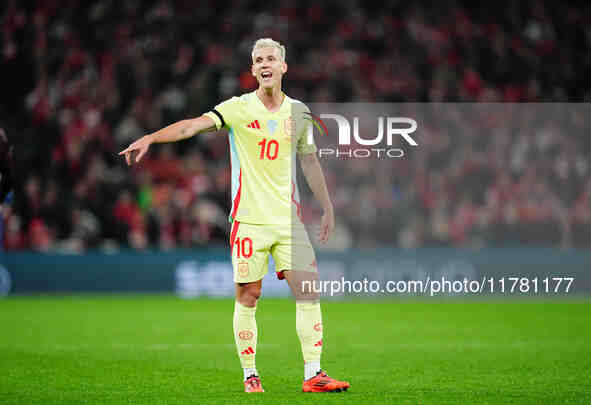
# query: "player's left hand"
326, 226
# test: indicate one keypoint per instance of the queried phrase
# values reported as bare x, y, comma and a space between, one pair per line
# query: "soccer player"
266, 131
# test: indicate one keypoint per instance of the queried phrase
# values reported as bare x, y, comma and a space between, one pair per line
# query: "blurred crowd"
81, 80
486, 174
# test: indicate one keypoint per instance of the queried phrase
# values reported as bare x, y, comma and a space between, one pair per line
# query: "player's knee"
255, 292
249, 300
249, 294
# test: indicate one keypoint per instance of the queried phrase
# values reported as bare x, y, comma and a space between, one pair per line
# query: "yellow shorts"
251, 245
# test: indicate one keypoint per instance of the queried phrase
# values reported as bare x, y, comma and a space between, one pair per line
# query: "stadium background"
81, 80
88, 78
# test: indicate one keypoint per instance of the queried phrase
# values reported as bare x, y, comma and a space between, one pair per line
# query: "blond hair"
266, 43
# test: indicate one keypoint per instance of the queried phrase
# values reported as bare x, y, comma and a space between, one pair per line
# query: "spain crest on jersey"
288, 128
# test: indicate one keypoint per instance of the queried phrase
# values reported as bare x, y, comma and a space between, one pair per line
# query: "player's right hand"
141, 146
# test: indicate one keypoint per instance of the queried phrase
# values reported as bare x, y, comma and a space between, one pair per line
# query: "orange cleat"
323, 383
253, 384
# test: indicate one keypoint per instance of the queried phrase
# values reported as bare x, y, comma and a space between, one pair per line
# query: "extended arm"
175, 132
315, 178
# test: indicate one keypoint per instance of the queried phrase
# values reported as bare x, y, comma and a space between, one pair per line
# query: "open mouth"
266, 75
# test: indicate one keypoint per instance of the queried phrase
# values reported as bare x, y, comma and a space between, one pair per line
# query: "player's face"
268, 67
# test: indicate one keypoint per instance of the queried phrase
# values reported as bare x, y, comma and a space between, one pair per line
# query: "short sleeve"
223, 114
304, 123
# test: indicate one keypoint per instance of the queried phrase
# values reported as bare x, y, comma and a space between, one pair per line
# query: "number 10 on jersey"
269, 150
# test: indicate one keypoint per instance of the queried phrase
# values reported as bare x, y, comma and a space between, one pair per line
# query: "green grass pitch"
164, 350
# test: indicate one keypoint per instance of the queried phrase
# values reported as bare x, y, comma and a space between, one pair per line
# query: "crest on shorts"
243, 269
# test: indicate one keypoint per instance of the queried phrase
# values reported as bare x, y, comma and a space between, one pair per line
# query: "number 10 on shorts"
243, 247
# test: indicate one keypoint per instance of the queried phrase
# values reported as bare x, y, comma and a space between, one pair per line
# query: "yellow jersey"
263, 147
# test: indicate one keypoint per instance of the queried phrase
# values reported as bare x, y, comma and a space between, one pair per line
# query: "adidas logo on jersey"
255, 124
